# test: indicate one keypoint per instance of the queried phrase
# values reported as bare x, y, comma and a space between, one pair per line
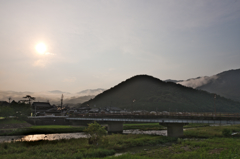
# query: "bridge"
173, 121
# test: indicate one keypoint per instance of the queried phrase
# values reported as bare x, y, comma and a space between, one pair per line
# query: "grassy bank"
209, 132
214, 148
11, 121
214, 145
77, 148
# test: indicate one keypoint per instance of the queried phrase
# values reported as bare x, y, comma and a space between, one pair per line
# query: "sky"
100, 43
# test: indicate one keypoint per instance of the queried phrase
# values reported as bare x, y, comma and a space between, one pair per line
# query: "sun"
41, 48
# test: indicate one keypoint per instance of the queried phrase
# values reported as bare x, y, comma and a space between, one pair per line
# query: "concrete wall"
174, 129
115, 127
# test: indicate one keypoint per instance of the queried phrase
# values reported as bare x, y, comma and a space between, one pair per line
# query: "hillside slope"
226, 84
145, 92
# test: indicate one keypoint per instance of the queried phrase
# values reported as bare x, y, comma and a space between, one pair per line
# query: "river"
38, 137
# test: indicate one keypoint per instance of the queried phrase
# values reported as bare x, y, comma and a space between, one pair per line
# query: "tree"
96, 132
9, 99
6, 111
29, 98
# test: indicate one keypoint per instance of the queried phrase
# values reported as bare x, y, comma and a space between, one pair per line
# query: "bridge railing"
205, 115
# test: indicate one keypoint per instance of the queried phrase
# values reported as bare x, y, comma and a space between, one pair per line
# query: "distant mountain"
88, 92
226, 84
145, 92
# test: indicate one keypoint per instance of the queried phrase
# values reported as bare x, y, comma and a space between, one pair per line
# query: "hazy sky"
97, 44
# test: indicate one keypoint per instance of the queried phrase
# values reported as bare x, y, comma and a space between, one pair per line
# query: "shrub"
226, 132
96, 132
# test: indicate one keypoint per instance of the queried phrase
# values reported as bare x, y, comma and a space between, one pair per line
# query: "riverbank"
202, 142
78, 148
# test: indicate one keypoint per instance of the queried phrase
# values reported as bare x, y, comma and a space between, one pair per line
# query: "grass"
51, 126
208, 149
77, 148
211, 131
12, 121
213, 146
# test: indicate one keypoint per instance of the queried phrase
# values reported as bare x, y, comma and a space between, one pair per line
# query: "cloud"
198, 82
58, 92
44, 59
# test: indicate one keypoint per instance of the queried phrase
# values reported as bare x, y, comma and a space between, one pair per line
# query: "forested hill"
143, 92
226, 84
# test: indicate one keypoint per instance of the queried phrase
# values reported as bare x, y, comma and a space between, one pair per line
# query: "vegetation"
226, 132
149, 93
76, 148
213, 145
211, 131
29, 98
20, 111
11, 121
198, 149
96, 132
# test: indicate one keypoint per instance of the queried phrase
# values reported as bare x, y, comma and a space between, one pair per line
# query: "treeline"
16, 110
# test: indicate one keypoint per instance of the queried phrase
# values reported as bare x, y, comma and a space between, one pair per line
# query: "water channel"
60, 136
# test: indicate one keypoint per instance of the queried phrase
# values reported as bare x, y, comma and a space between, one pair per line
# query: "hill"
226, 84
143, 92
77, 100
91, 92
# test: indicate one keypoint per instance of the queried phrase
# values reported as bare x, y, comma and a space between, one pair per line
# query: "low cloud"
198, 82
53, 97
89, 92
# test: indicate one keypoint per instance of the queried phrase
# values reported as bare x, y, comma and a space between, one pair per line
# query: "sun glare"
41, 48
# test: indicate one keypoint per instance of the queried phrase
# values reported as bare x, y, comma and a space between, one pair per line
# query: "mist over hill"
226, 84
143, 92
91, 92
53, 97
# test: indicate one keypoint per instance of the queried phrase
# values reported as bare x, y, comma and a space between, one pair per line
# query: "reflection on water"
42, 137
71, 135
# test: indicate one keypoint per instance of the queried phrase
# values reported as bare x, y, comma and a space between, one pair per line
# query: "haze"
97, 44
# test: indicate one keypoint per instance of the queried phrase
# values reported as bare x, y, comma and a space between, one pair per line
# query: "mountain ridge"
226, 83
151, 93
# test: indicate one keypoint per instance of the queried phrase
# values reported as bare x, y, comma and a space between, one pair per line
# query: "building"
41, 106
4, 103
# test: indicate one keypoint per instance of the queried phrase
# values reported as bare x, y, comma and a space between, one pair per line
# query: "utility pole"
61, 103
